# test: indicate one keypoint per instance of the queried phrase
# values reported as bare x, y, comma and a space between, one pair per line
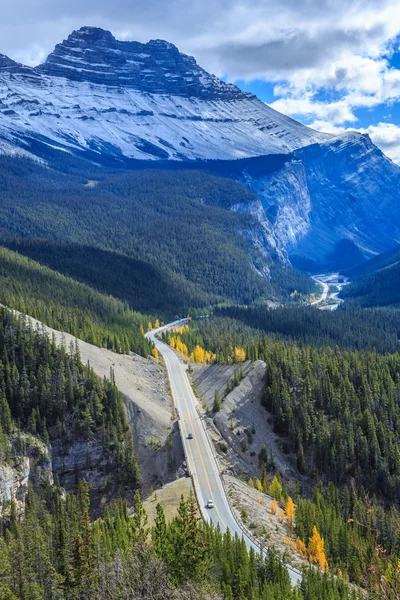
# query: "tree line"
70, 306
53, 550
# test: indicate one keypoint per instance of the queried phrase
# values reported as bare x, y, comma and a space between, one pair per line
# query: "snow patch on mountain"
142, 101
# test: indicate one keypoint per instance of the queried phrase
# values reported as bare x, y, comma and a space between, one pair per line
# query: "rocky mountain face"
341, 189
37, 464
95, 94
102, 98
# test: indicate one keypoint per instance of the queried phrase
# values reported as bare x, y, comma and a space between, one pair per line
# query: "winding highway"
325, 290
202, 463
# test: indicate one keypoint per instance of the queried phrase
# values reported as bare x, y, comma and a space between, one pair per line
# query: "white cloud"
387, 137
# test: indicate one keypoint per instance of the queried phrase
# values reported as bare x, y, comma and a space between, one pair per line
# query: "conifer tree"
217, 402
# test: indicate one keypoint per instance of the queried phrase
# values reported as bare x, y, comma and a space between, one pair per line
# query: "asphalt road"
325, 290
201, 460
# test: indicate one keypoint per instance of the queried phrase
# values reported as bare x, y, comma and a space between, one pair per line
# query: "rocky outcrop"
6, 63
32, 467
341, 189
68, 460
94, 55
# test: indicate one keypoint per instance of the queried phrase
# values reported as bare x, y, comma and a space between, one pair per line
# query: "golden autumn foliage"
289, 510
273, 506
258, 485
155, 353
209, 357
199, 355
181, 330
260, 500
157, 324
301, 547
141, 329
316, 550
149, 326
240, 355
250, 483
181, 347
289, 542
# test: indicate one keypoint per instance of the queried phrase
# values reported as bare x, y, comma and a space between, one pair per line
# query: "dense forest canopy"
66, 305
54, 550
171, 224
347, 327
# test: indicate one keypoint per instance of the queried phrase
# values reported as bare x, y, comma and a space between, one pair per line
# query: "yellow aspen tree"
199, 355
141, 329
178, 344
240, 355
273, 506
301, 547
250, 483
316, 550
260, 500
157, 324
258, 485
155, 353
149, 326
172, 342
289, 510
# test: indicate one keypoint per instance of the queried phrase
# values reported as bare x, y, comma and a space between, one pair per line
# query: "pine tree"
217, 402
275, 489
159, 534
139, 518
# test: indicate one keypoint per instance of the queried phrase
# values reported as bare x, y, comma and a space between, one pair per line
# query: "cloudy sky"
332, 64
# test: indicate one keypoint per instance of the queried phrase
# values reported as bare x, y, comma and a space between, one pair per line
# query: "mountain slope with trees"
375, 283
70, 306
170, 224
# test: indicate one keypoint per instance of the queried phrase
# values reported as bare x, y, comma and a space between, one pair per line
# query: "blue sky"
332, 64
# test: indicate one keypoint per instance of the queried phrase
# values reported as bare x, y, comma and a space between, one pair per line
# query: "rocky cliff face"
69, 461
30, 465
344, 188
95, 56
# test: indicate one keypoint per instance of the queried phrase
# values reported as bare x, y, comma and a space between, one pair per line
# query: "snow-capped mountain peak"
145, 101
94, 55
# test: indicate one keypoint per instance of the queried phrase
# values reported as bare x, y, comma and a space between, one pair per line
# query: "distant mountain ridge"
116, 102
95, 56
